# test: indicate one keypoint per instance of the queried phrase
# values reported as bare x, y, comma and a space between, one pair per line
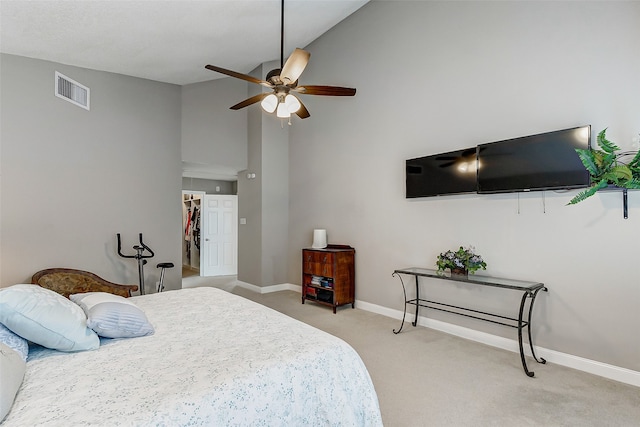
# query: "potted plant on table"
607, 168
463, 261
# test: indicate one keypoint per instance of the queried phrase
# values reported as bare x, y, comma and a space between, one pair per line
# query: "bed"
213, 359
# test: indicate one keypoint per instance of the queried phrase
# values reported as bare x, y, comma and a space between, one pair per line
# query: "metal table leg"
404, 291
521, 325
415, 321
533, 353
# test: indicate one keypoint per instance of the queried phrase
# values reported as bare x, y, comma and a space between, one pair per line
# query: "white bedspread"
216, 359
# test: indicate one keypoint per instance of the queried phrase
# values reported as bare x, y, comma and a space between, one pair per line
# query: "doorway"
191, 230
210, 234
219, 254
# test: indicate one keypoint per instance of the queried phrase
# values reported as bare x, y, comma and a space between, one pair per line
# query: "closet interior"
191, 205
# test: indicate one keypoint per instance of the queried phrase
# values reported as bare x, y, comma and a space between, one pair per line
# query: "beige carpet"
428, 378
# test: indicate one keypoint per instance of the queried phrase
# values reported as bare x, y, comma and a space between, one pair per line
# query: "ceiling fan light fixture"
269, 103
283, 112
292, 103
283, 80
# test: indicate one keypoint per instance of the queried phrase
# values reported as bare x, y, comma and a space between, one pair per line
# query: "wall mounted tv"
441, 174
547, 161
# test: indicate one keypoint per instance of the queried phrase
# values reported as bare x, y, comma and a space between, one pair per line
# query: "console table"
529, 291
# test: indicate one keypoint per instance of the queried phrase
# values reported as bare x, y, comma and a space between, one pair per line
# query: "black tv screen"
546, 161
441, 174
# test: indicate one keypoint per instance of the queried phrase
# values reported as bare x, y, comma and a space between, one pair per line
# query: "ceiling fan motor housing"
273, 76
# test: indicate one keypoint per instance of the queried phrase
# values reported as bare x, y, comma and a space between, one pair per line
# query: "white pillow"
12, 369
44, 317
113, 316
14, 341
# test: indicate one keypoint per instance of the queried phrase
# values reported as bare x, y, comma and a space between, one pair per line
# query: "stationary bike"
140, 256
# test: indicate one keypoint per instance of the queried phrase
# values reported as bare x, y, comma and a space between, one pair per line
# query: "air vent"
72, 91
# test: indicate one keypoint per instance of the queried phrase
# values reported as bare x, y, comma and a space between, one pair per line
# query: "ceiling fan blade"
250, 101
238, 75
325, 90
294, 66
302, 112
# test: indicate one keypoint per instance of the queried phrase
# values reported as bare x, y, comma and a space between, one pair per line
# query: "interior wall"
263, 196
433, 77
73, 178
209, 186
212, 134
275, 200
250, 196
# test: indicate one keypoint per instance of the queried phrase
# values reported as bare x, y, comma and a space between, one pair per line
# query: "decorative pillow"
113, 316
14, 341
12, 369
44, 317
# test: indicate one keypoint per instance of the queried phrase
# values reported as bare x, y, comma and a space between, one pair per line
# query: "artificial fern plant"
606, 168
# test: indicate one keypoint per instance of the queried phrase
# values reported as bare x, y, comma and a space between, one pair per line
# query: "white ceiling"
168, 41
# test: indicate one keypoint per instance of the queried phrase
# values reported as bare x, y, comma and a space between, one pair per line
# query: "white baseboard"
269, 289
605, 370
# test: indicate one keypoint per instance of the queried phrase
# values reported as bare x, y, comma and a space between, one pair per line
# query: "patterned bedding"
215, 359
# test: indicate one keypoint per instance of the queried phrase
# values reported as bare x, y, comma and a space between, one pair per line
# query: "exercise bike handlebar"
140, 249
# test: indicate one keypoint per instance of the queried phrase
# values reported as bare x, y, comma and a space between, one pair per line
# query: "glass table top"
472, 278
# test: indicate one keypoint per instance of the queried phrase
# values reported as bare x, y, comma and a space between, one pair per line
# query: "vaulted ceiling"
167, 41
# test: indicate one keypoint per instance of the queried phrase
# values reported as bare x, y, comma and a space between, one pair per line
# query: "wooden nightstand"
328, 275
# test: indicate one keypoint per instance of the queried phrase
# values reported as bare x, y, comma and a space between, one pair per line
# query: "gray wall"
72, 179
212, 134
439, 76
264, 200
275, 200
210, 186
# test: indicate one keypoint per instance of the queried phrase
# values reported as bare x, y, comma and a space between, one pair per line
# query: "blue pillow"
113, 316
44, 317
14, 341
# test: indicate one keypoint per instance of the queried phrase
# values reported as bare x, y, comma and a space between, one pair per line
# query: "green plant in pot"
607, 168
462, 261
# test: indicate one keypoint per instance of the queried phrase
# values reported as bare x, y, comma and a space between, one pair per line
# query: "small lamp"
319, 239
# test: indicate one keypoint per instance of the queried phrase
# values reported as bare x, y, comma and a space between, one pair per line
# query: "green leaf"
603, 160
588, 192
633, 184
606, 145
605, 168
588, 160
635, 162
622, 172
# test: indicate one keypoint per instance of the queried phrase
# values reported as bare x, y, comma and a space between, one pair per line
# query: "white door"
219, 238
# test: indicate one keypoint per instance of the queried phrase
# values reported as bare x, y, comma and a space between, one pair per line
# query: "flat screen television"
547, 161
441, 174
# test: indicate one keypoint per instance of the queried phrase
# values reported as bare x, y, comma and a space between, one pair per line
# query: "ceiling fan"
283, 81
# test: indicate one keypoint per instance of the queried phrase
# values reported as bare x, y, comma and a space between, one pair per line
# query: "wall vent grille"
72, 91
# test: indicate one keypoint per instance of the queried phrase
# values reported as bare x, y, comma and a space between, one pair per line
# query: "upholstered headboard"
67, 281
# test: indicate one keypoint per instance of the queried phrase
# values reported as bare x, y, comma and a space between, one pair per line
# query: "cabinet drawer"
318, 257
318, 263
318, 269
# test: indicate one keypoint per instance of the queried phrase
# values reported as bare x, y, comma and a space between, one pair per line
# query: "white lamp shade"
319, 239
270, 103
282, 111
292, 103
